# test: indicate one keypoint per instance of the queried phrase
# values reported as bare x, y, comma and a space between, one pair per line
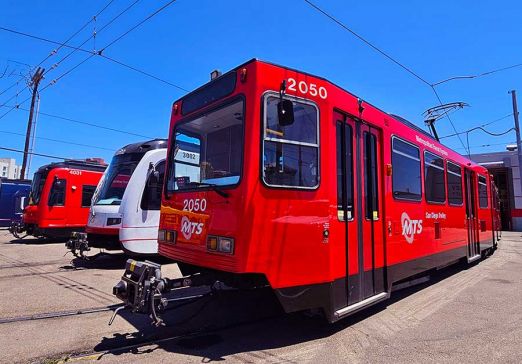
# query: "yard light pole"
517, 130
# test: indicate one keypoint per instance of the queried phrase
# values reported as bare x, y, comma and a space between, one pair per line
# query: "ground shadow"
100, 261
38, 241
238, 322
112, 260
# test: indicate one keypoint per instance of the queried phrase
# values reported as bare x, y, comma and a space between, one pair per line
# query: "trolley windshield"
36, 188
208, 150
114, 182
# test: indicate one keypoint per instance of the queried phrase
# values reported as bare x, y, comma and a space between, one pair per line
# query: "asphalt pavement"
56, 308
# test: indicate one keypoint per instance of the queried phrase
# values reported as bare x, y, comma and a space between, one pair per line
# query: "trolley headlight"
162, 235
113, 221
220, 244
212, 243
166, 236
226, 245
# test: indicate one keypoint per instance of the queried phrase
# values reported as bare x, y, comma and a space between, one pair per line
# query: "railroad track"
58, 314
158, 340
40, 273
78, 287
17, 264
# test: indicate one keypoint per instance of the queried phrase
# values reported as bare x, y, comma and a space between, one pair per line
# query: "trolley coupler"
142, 288
78, 245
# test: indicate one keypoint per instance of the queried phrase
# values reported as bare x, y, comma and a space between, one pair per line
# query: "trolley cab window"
151, 199
482, 192
406, 170
454, 184
208, 150
37, 188
291, 152
116, 178
87, 193
57, 194
434, 184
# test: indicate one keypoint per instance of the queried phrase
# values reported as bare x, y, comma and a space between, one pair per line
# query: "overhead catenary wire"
477, 75
87, 123
371, 45
488, 145
143, 72
111, 59
93, 52
482, 125
60, 44
448, 117
150, 16
33, 153
59, 141
385, 54
63, 44
484, 130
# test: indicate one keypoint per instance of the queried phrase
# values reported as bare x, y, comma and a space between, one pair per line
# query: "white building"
504, 168
9, 168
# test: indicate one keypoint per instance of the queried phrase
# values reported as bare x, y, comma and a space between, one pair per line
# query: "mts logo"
188, 228
410, 227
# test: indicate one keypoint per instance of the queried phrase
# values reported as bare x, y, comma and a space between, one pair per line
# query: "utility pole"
35, 81
517, 130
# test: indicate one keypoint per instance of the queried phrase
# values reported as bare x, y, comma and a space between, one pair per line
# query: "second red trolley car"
296, 184
60, 198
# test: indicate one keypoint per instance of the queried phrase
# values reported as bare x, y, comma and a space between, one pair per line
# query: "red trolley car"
299, 185
60, 198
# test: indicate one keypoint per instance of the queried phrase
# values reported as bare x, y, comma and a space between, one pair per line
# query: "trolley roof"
74, 164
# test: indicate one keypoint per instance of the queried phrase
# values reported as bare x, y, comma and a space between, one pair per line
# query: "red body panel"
280, 232
72, 214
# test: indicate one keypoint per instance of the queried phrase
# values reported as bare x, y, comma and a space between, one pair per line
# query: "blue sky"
189, 39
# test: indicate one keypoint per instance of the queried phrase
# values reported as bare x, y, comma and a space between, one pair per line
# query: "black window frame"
371, 205
144, 202
349, 174
448, 172
480, 198
394, 137
92, 194
52, 192
444, 183
209, 93
263, 136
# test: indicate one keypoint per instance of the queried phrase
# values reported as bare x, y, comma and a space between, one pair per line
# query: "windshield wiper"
213, 186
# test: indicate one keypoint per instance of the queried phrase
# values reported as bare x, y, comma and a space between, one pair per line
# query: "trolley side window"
370, 176
87, 193
151, 199
434, 184
344, 171
482, 192
291, 152
57, 194
454, 184
406, 175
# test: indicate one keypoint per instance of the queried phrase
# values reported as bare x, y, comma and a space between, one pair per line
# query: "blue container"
14, 196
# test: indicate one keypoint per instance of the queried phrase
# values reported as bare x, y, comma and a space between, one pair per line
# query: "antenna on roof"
435, 113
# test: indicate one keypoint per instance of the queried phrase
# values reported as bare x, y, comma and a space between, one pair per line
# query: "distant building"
9, 168
504, 168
